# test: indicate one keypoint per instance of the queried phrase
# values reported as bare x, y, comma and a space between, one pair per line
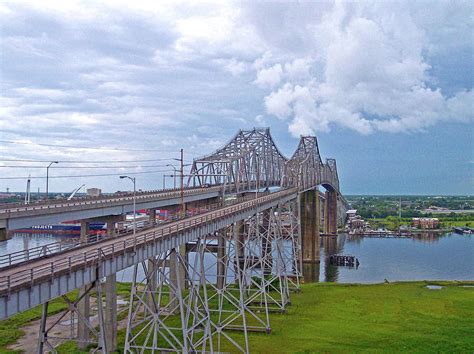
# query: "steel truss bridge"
198, 280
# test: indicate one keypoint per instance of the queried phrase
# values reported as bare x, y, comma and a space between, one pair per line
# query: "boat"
463, 230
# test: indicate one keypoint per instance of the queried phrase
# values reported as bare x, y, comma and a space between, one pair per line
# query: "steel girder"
250, 159
306, 169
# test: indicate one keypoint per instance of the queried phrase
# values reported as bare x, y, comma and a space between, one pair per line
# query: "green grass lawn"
338, 318
379, 318
461, 223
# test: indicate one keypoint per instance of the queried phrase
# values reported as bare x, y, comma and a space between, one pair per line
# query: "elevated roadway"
21, 216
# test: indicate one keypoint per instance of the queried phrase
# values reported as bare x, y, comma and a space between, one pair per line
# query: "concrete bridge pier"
151, 265
83, 306
110, 288
330, 213
309, 218
4, 235
177, 276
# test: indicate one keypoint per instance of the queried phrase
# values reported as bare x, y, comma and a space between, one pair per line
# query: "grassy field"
462, 223
338, 318
378, 318
393, 223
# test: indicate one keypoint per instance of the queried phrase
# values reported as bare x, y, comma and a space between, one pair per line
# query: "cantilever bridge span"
196, 280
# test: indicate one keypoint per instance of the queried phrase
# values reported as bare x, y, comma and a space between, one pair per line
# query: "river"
427, 257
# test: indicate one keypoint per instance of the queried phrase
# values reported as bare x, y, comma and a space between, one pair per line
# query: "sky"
119, 87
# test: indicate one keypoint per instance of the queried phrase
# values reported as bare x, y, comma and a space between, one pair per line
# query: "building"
425, 223
351, 213
357, 223
94, 192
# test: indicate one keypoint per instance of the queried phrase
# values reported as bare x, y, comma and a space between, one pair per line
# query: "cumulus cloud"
269, 76
367, 71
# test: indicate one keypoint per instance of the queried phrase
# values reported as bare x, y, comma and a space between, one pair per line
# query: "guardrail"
15, 258
28, 209
90, 198
32, 209
66, 264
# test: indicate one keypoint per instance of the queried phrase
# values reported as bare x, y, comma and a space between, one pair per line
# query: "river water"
427, 257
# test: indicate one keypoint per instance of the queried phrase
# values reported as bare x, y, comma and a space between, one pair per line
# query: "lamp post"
174, 174
47, 178
133, 179
181, 177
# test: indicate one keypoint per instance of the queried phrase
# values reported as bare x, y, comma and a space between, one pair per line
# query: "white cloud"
279, 102
269, 76
367, 72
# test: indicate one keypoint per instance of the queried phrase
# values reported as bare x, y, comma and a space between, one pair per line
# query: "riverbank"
329, 317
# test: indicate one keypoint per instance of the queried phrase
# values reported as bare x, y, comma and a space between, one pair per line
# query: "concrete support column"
111, 299
152, 216
321, 213
331, 213
221, 260
3, 235
83, 306
110, 287
152, 280
84, 231
317, 230
174, 279
152, 263
309, 224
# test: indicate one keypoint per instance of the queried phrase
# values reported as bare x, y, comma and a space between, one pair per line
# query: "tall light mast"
28, 193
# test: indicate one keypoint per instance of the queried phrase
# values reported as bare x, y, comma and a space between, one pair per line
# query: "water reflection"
430, 256
311, 272
21, 241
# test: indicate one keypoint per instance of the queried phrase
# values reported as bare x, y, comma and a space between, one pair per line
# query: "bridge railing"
31, 209
89, 198
39, 272
109, 200
14, 258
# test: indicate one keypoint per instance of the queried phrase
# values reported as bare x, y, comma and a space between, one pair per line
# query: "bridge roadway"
37, 281
53, 212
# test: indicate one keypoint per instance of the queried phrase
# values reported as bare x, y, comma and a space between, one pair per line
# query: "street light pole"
183, 212
133, 179
181, 169
47, 178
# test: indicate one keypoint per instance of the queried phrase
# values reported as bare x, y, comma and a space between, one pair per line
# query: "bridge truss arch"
250, 159
306, 170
